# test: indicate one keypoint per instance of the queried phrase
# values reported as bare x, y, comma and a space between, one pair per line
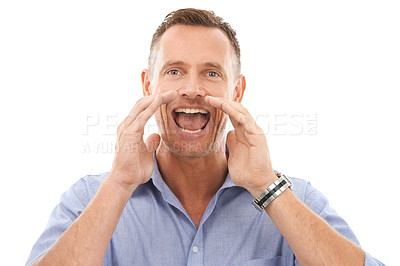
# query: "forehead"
195, 45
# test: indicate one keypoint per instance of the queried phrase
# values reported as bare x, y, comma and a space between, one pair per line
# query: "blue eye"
213, 74
173, 72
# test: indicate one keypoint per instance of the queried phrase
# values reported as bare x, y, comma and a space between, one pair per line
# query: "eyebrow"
215, 65
172, 63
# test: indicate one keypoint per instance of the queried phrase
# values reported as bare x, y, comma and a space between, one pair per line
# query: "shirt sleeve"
317, 202
71, 205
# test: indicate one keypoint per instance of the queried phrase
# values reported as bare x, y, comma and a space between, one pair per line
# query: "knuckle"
136, 126
141, 121
140, 101
242, 119
121, 126
157, 100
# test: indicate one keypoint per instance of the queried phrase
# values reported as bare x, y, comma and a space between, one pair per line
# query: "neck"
184, 176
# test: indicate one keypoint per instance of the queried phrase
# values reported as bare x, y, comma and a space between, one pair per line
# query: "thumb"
152, 142
231, 141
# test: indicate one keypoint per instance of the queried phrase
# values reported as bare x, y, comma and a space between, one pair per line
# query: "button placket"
196, 253
195, 249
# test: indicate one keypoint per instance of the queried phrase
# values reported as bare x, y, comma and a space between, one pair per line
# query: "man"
185, 198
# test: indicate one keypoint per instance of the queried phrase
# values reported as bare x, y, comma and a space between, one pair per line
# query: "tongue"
191, 122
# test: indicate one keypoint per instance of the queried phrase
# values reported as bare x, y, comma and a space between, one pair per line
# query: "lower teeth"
190, 131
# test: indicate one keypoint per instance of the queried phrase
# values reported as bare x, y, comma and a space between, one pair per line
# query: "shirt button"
195, 249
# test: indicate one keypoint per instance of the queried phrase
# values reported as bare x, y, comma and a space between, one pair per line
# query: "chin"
190, 149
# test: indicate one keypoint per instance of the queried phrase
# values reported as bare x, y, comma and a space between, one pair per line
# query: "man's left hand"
249, 162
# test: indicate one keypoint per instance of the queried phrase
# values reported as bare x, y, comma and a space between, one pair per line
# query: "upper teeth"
190, 110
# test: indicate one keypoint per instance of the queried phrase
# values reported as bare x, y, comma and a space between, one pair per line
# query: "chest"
230, 232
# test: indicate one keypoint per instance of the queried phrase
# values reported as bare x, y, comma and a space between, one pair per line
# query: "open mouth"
191, 120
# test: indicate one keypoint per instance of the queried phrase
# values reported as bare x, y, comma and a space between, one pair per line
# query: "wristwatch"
272, 192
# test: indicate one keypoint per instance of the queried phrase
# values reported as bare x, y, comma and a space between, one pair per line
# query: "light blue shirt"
155, 229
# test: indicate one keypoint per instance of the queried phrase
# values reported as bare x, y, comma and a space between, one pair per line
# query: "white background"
63, 65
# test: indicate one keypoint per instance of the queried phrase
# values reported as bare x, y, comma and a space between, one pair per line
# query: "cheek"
219, 90
168, 85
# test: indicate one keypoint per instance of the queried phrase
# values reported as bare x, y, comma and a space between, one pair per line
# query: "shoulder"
92, 182
301, 188
308, 194
86, 187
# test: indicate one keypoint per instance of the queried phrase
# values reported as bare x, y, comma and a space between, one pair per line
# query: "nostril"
192, 91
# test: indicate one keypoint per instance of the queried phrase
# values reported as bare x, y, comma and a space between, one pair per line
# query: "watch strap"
272, 192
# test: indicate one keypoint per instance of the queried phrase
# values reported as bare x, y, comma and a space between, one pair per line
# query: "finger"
152, 142
142, 104
159, 100
237, 106
238, 114
231, 141
227, 107
139, 107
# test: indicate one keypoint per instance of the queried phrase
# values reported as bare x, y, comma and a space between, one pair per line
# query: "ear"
146, 82
239, 89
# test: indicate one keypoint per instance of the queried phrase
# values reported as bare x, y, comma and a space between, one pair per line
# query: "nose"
192, 88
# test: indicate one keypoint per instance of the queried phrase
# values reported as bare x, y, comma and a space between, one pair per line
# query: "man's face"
194, 61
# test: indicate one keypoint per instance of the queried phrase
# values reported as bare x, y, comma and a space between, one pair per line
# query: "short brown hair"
194, 17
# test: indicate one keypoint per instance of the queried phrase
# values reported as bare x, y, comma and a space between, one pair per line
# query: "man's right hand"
133, 163
89, 235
